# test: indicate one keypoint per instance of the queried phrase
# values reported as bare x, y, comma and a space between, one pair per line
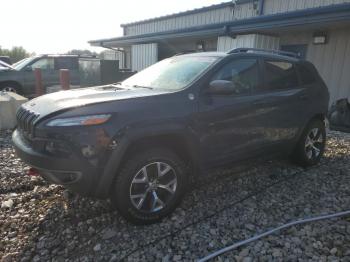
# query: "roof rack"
270, 51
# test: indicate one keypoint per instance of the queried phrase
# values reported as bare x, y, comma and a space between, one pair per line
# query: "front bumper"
73, 172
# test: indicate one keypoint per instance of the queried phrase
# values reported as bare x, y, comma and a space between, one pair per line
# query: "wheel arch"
319, 116
181, 144
12, 83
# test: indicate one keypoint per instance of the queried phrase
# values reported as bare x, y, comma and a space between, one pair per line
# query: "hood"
62, 100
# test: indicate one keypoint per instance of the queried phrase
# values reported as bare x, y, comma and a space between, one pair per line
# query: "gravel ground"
42, 222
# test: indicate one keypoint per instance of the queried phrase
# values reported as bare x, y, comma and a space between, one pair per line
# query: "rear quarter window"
307, 75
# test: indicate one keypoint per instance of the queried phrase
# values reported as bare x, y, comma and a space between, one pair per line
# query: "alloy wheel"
153, 187
314, 143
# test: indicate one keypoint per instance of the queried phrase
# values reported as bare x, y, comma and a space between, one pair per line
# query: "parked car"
21, 78
5, 66
141, 141
6, 59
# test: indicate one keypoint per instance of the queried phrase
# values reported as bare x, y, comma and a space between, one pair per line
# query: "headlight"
80, 120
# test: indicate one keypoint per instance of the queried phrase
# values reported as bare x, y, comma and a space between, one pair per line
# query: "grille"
25, 121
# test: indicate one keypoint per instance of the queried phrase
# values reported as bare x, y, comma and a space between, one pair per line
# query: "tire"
311, 145
8, 88
133, 192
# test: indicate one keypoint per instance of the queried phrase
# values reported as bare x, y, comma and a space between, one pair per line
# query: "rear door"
46, 64
281, 102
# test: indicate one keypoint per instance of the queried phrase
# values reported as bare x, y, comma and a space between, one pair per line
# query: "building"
318, 30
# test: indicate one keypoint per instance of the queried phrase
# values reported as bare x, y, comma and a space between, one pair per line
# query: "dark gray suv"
19, 77
141, 141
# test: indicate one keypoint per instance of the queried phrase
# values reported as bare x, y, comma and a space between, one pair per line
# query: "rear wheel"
9, 89
311, 145
150, 186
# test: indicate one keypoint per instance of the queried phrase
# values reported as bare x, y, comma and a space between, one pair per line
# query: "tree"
82, 52
16, 53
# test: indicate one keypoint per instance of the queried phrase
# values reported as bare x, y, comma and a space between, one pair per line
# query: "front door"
49, 76
225, 122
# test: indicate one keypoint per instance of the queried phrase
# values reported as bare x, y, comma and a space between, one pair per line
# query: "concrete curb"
9, 103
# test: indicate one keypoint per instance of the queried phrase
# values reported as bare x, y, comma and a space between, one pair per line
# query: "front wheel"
311, 145
150, 186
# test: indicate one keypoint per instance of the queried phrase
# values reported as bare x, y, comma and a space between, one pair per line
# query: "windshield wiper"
118, 86
138, 86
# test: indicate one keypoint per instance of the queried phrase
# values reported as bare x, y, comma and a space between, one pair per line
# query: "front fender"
126, 137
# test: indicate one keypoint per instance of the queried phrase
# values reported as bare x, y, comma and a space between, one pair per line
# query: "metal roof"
340, 12
189, 12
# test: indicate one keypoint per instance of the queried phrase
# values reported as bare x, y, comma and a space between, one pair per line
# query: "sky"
57, 26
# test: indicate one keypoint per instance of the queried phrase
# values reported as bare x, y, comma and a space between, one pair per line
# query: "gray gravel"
42, 222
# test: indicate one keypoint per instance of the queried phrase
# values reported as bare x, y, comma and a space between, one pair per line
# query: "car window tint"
279, 75
307, 76
44, 64
66, 63
243, 73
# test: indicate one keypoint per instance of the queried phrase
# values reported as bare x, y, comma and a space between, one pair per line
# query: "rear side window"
307, 76
70, 63
279, 75
243, 73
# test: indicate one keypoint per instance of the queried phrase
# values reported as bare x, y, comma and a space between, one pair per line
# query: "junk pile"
339, 116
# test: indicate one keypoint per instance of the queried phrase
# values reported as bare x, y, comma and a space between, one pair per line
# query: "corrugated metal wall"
113, 55
226, 43
332, 59
173, 23
208, 17
246, 10
280, 6
143, 56
267, 42
121, 56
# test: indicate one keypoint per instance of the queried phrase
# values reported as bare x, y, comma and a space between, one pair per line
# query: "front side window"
171, 74
279, 75
243, 73
44, 64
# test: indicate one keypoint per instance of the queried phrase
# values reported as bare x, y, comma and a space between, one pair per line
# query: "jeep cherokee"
141, 141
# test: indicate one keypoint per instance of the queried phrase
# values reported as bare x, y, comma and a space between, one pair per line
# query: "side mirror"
221, 87
28, 68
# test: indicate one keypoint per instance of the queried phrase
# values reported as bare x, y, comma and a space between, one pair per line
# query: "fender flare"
105, 181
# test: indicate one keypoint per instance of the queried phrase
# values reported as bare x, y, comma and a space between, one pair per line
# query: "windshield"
172, 74
4, 66
22, 63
